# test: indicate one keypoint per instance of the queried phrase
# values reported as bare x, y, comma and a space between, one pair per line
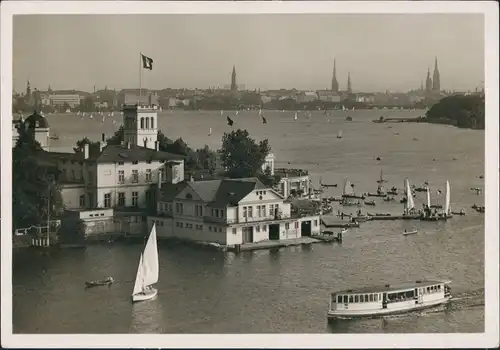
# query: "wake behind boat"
148, 270
389, 299
106, 282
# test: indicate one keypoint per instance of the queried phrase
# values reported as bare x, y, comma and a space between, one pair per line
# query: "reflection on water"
147, 316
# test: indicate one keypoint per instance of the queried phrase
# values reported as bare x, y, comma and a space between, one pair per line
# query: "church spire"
335, 83
436, 81
349, 87
428, 81
234, 87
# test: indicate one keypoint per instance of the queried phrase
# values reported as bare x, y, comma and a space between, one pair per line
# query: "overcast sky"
269, 51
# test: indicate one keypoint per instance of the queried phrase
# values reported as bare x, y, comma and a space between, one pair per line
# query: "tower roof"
36, 121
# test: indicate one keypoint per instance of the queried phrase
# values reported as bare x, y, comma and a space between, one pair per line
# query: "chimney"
160, 173
103, 137
128, 144
157, 146
86, 151
102, 145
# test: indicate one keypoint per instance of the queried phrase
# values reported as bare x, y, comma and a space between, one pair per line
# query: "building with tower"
436, 79
335, 83
140, 125
234, 86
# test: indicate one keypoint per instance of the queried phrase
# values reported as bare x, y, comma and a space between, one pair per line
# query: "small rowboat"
370, 203
108, 281
412, 232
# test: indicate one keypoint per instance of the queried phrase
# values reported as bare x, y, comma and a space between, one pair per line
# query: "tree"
66, 106
80, 144
241, 155
462, 111
87, 105
269, 179
207, 158
32, 184
117, 138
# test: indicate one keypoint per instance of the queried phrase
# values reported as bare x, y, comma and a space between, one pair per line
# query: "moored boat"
389, 299
412, 232
106, 282
372, 203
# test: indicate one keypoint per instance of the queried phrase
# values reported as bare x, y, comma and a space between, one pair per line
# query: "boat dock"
284, 243
331, 222
395, 217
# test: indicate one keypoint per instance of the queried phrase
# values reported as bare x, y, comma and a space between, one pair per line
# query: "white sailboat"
237, 112
339, 135
410, 203
221, 112
428, 197
295, 117
148, 270
210, 132
447, 209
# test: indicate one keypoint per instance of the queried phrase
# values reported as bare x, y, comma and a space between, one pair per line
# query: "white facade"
260, 215
59, 100
140, 125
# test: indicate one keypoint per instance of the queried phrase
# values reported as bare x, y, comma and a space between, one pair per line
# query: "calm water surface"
285, 290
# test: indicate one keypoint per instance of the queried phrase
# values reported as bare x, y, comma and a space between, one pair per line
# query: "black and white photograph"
278, 174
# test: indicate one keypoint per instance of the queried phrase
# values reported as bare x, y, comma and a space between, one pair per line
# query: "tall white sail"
139, 278
447, 204
428, 197
347, 187
339, 135
150, 259
410, 203
295, 117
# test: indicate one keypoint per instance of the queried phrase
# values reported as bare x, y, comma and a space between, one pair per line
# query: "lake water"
284, 290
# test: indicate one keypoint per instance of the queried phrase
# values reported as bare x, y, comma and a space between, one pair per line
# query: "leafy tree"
206, 158
117, 137
462, 111
268, 179
32, 184
241, 155
66, 106
87, 105
80, 144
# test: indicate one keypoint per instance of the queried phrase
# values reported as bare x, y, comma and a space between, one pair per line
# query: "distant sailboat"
410, 203
260, 111
339, 135
210, 132
295, 117
148, 270
112, 114
428, 197
447, 209
221, 112
91, 117
237, 112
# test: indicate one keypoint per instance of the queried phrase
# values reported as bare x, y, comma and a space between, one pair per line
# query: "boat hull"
347, 314
147, 295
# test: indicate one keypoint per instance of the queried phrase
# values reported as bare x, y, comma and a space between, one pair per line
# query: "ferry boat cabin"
388, 299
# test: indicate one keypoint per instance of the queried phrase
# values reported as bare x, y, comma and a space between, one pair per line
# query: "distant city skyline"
381, 52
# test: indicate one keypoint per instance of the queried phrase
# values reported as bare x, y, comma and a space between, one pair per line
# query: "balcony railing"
245, 220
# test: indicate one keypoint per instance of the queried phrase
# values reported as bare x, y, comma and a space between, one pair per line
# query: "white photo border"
490, 338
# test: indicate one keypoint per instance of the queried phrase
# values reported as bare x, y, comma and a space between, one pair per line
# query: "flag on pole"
147, 62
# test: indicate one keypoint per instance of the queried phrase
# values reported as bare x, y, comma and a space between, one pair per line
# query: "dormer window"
135, 162
189, 196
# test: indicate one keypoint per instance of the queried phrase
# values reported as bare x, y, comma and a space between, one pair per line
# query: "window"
245, 212
351, 299
345, 299
147, 123
82, 201
179, 208
135, 176
371, 297
257, 228
152, 123
216, 213
315, 222
296, 225
107, 200
271, 209
121, 176
339, 299
375, 297
120, 163
263, 208
181, 225
235, 230
73, 176
210, 228
221, 213
198, 210
250, 212
142, 123
148, 175
258, 211
121, 199
287, 226
135, 199
91, 200
264, 228
356, 299
135, 162
220, 229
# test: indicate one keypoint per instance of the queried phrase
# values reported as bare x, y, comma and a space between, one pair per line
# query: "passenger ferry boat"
388, 299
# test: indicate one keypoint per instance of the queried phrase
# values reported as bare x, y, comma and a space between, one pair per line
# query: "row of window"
358, 298
260, 210
135, 176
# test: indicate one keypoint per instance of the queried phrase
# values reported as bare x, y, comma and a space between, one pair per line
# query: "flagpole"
140, 76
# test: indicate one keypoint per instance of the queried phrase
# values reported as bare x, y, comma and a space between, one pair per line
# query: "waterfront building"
72, 100
306, 96
227, 212
367, 98
328, 96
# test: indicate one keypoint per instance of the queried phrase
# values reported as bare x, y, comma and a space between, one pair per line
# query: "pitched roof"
231, 191
169, 191
205, 189
115, 153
